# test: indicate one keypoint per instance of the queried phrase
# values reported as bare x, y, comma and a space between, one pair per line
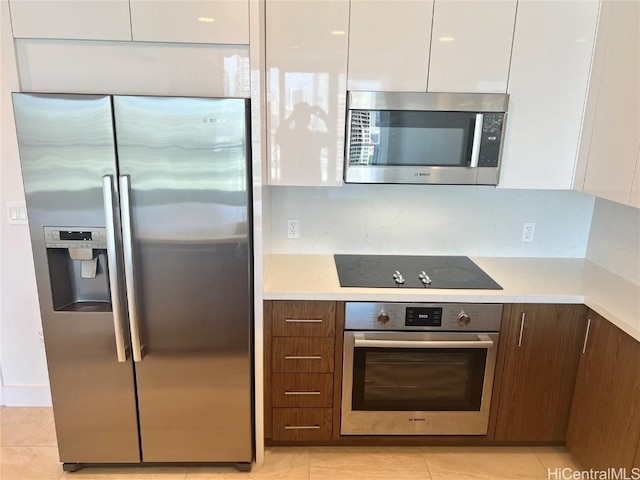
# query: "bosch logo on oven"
417, 419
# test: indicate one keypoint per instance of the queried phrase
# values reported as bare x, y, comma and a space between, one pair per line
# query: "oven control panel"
446, 317
423, 316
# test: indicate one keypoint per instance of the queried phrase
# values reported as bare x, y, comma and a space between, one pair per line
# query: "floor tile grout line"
426, 464
541, 463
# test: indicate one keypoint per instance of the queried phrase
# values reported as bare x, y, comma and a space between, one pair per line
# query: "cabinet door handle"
586, 336
303, 357
302, 393
521, 329
302, 427
303, 320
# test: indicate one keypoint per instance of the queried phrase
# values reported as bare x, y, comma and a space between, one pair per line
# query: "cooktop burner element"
388, 271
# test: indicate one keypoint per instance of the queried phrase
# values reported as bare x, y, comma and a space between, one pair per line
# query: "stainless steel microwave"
424, 138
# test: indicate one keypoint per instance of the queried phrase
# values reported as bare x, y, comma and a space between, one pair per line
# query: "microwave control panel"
491, 139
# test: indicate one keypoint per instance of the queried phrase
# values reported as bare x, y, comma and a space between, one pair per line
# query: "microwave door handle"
477, 137
483, 342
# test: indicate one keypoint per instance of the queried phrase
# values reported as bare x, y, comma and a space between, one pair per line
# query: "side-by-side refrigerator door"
68, 162
184, 202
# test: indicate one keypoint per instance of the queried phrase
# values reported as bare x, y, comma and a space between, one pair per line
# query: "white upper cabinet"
204, 21
471, 45
306, 61
130, 68
609, 145
185, 21
71, 19
389, 45
548, 79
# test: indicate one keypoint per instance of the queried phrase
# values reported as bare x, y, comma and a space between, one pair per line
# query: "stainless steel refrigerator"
140, 221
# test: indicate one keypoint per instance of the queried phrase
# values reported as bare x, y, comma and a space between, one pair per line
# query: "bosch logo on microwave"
214, 120
422, 174
417, 419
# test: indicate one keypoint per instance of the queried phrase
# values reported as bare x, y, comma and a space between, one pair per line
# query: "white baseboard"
26, 396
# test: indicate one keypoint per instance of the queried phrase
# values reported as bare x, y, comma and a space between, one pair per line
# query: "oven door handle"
483, 342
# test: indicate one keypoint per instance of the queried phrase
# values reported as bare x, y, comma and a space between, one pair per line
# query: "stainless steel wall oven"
418, 368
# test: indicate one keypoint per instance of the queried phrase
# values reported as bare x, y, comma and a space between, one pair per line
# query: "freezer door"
185, 160
66, 146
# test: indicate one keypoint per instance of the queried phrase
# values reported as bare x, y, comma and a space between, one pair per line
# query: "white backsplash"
429, 220
614, 240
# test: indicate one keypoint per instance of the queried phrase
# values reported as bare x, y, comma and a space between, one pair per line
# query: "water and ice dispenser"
77, 258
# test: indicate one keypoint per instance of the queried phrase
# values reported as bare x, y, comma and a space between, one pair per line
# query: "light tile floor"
28, 452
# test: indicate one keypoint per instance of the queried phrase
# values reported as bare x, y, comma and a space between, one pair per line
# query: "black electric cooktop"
402, 271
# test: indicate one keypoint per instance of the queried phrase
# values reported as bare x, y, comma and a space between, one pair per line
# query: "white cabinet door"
389, 45
192, 21
71, 19
615, 131
550, 66
130, 68
306, 60
471, 45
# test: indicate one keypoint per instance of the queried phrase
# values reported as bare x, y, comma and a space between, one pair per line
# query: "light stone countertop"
524, 280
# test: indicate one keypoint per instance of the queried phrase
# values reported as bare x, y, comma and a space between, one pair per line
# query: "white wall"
24, 370
614, 240
432, 219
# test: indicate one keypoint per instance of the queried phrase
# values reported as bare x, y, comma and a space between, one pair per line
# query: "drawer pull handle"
302, 393
586, 336
521, 329
303, 357
302, 427
301, 320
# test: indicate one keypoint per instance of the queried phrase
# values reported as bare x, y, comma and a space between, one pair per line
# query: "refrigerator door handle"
112, 262
128, 267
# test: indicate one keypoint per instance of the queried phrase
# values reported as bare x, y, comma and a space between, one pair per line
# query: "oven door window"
408, 379
411, 138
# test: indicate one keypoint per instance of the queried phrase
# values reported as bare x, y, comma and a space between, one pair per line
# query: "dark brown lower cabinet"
541, 361
300, 355
604, 427
546, 389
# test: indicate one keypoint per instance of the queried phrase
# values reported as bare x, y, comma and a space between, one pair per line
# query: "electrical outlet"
293, 228
528, 232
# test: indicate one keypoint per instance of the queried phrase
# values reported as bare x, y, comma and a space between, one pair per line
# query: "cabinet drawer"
308, 355
302, 390
303, 319
302, 424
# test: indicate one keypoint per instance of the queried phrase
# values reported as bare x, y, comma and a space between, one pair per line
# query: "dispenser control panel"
75, 237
